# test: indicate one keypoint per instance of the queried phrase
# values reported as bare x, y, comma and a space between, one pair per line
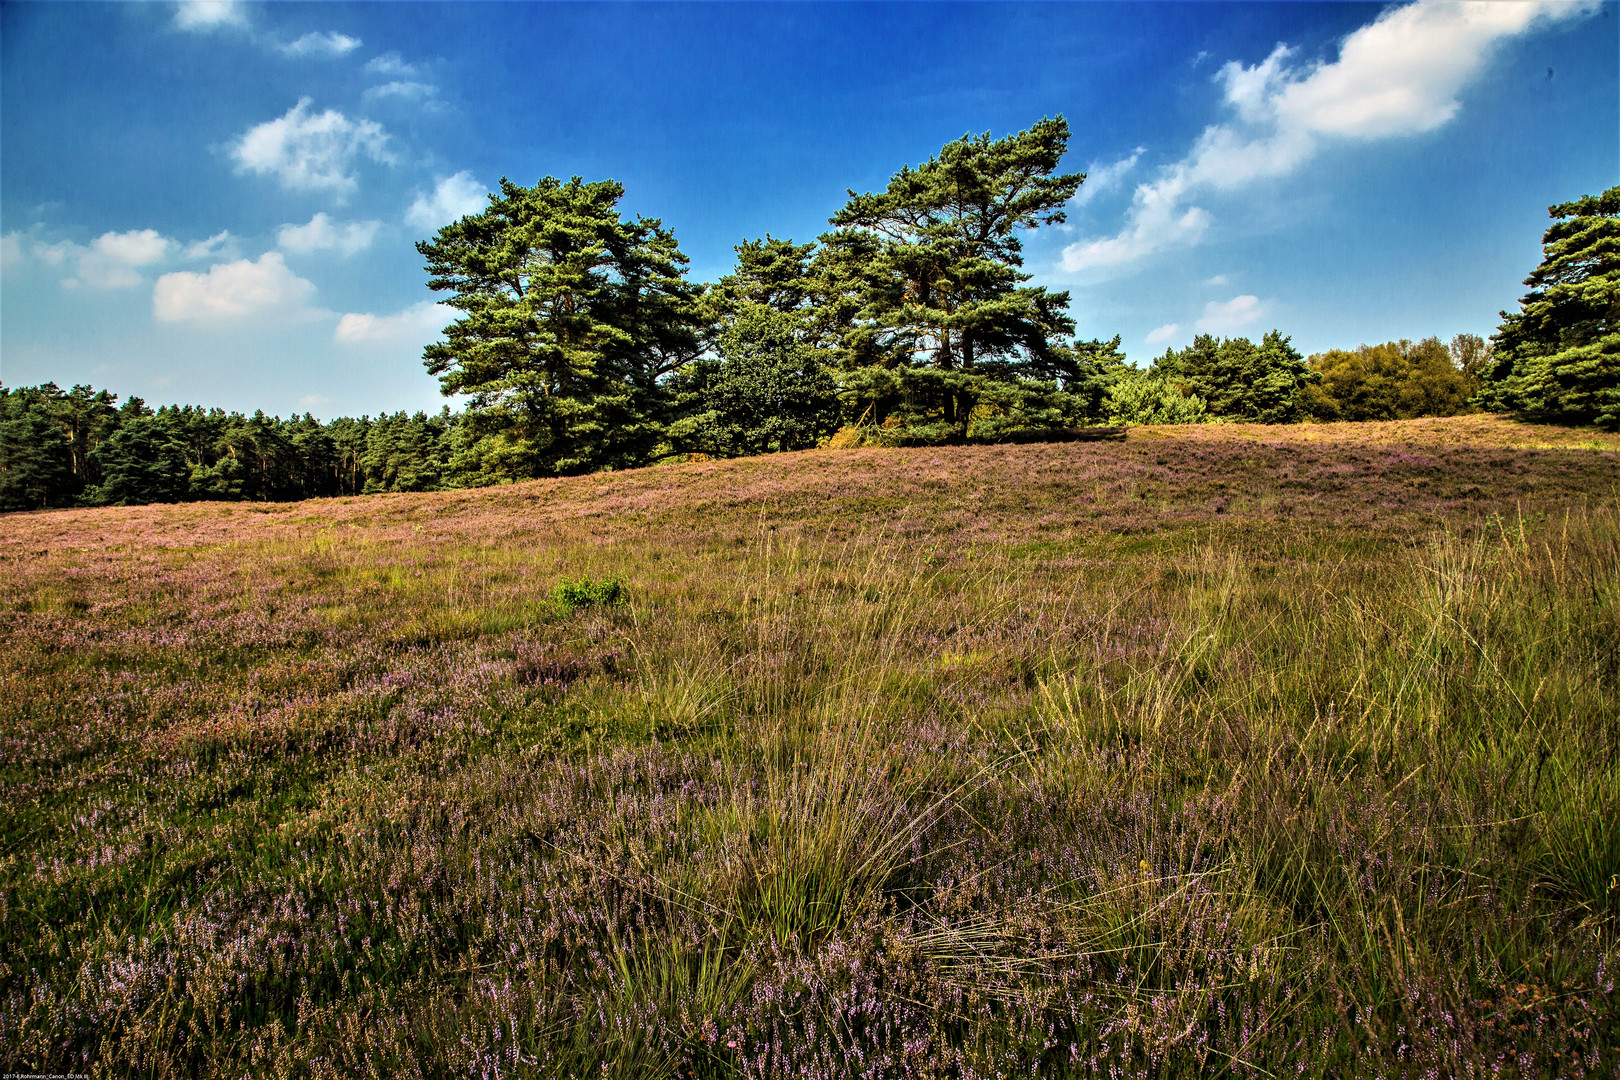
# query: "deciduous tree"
1393, 381
767, 391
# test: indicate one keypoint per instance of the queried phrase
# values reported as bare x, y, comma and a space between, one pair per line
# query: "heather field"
1220, 751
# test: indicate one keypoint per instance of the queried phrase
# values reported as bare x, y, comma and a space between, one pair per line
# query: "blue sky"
216, 203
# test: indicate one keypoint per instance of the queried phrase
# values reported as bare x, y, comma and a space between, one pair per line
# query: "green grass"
879, 763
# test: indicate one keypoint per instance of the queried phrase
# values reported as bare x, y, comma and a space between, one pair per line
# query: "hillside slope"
1228, 748
1379, 477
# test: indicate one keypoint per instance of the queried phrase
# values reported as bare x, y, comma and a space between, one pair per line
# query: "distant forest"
580, 345
83, 447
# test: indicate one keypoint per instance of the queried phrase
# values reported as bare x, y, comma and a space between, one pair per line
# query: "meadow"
1225, 750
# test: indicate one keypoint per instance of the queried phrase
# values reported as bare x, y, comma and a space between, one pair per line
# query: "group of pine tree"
580, 345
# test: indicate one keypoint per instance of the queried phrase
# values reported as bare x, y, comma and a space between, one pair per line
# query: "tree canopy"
131, 453
571, 320
1558, 356
1393, 381
767, 391
1239, 380
926, 276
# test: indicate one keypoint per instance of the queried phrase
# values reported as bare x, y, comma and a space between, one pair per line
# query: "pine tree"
1239, 380
1087, 370
141, 462
772, 272
36, 458
1559, 356
571, 318
924, 280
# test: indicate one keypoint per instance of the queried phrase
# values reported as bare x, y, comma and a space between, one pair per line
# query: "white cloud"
1218, 279
1101, 179
453, 198
321, 233
92, 269
416, 325
1163, 333
221, 245
317, 43
58, 253
390, 63
410, 91
1399, 75
313, 401
1155, 223
231, 291
311, 151
1237, 312
140, 247
205, 15
111, 261
11, 251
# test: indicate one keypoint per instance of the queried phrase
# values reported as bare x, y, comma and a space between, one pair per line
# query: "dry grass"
1222, 750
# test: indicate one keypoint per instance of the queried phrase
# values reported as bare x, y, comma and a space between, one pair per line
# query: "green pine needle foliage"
1558, 357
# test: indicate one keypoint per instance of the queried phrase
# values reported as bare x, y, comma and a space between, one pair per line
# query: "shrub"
1145, 397
571, 594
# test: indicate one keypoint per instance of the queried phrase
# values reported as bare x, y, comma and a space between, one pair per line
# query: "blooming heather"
1223, 750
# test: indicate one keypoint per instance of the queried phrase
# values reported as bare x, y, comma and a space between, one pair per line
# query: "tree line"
80, 447
579, 344
763, 391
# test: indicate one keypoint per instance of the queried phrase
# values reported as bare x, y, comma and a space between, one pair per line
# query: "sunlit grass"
939, 770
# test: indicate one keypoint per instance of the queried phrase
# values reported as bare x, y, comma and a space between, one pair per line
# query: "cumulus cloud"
401, 88
221, 245
11, 251
321, 233
230, 291
1237, 312
1399, 75
317, 43
452, 198
1163, 333
202, 16
416, 325
1218, 279
58, 254
1101, 179
111, 261
138, 247
310, 151
390, 63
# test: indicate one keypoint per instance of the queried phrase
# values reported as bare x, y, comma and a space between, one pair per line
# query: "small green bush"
571, 594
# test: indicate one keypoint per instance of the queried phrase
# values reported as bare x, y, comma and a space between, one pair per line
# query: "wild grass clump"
893, 797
